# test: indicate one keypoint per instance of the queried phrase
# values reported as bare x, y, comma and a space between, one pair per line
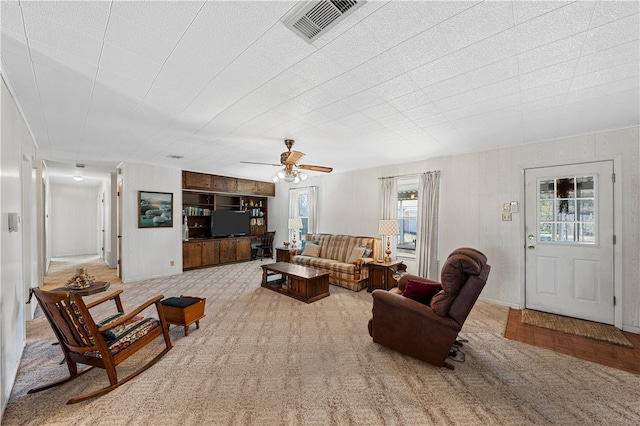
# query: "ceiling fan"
292, 171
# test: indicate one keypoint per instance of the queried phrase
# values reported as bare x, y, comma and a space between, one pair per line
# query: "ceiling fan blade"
291, 157
315, 168
264, 164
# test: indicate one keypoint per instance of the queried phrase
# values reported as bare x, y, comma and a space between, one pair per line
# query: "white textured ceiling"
224, 82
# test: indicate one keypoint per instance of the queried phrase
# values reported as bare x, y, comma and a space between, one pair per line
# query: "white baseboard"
499, 302
631, 329
151, 277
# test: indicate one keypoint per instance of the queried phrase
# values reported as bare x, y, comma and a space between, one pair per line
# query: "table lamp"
295, 223
388, 228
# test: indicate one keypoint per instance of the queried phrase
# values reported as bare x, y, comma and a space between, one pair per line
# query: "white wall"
473, 188
110, 189
149, 252
16, 273
73, 219
30, 245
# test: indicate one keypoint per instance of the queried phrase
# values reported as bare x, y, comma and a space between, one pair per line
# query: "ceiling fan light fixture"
303, 176
281, 174
276, 179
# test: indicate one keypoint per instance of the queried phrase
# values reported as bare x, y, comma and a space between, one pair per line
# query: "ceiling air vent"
317, 17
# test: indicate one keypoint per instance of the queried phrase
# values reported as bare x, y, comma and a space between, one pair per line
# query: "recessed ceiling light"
78, 178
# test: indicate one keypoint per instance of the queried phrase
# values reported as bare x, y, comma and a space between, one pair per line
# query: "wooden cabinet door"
191, 255
246, 186
210, 252
228, 250
225, 184
196, 180
297, 286
266, 188
243, 249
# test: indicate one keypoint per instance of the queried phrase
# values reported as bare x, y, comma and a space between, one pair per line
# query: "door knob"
531, 246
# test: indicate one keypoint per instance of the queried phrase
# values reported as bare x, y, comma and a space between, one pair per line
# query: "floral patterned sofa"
343, 256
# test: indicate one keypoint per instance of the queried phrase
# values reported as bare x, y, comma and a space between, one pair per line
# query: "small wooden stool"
184, 311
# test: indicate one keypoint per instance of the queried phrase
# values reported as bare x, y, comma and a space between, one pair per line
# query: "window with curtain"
407, 215
302, 204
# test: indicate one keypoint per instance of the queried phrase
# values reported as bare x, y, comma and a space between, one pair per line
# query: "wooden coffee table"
303, 283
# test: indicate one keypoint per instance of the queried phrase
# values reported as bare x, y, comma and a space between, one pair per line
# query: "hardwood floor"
627, 359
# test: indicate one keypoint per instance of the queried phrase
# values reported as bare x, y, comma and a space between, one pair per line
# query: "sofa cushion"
312, 250
356, 253
421, 291
325, 264
339, 247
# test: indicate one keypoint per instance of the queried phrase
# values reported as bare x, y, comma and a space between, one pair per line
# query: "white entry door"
569, 240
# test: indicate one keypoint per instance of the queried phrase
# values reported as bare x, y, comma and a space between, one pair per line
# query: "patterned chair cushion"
121, 336
129, 332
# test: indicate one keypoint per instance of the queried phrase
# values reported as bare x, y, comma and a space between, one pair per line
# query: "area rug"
261, 358
590, 329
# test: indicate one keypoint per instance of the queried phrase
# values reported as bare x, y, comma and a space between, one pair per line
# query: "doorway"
569, 240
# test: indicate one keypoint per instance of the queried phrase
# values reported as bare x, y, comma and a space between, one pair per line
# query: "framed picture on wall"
156, 209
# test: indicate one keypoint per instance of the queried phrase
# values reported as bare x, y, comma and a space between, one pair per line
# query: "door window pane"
546, 210
586, 210
565, 232
567, 210
584, 186
547, 188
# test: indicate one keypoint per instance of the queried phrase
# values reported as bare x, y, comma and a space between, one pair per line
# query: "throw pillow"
367, 252
312, 250
421, 291
356, 253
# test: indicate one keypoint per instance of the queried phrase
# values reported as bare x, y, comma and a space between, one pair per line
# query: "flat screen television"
230, 223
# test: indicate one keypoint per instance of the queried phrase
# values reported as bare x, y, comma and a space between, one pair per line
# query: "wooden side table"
184, 311
94, 287
381, 275
283, 254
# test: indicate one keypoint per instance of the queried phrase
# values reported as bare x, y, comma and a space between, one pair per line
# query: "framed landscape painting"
155, 209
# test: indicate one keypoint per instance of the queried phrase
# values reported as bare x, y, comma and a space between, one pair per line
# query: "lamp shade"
387, 227
295, 223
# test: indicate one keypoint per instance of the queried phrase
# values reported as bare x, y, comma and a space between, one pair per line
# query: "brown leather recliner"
427, 332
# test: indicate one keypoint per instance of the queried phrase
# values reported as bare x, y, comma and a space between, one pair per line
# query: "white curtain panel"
313, 209
428, 207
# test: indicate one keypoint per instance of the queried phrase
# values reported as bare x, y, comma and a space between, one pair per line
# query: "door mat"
590, 329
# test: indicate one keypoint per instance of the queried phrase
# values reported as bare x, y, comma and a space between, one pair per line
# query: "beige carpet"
590, 329
260, 358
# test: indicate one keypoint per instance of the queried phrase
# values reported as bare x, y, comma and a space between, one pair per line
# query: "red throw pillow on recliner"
421, 291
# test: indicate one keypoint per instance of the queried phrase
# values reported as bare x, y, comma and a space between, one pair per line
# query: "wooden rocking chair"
103, 345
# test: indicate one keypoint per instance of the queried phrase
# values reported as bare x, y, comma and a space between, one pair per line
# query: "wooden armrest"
156, 300
114, 295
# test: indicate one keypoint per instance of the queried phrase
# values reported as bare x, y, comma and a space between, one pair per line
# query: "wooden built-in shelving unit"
204, 193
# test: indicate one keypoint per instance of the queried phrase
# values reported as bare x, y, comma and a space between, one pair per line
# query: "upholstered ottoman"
184, 311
